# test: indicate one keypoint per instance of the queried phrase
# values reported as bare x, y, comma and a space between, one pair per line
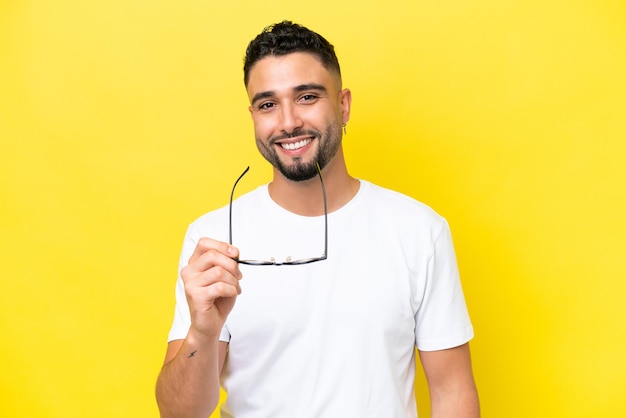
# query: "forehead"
276, 73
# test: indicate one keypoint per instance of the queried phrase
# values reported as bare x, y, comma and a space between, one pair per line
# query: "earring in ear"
344, 128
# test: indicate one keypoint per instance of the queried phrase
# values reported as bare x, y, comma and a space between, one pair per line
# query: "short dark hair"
285, 38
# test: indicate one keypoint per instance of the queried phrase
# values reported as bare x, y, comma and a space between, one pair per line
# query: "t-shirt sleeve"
182, 318
442, 320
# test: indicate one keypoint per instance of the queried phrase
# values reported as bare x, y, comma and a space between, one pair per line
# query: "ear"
345, 101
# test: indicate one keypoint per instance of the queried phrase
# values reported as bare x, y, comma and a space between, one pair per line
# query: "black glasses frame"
288, 261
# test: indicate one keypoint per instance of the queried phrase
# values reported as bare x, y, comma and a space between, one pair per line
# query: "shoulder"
215, 222
398, 205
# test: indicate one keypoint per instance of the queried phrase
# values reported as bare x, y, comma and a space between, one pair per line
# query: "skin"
298, 108
451, 383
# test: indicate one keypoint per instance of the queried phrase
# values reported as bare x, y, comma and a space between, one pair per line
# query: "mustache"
295, 133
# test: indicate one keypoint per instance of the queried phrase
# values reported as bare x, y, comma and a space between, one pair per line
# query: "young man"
343, 279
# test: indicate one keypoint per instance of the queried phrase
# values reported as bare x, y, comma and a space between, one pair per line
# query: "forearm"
188, 385
459, 404
451, 383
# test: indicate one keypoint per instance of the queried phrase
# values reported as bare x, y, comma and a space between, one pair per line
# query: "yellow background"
121, 121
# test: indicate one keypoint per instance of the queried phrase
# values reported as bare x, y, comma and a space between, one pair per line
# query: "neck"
305, 197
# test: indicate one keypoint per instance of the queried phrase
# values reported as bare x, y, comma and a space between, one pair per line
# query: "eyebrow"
310, 86
302, 87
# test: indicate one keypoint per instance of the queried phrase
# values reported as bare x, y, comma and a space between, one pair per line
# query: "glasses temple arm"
230, 207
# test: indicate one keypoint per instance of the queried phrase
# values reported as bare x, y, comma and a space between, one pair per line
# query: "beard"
298, 170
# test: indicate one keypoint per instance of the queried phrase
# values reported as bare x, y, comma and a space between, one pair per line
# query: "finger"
222, 290
209, 253
206, 244
209, 285
196, 281
213, 258
213, 275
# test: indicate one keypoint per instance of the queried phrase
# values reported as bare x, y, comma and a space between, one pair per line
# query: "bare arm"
450, 379
188, 385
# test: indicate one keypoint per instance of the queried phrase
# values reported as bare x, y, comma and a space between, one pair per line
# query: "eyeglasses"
272, 261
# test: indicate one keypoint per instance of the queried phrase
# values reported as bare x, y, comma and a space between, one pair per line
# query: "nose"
290, 119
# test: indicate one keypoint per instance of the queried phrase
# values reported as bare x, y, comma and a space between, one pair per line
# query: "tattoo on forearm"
193, 353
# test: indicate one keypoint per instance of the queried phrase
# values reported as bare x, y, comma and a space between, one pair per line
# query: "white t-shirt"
335, 338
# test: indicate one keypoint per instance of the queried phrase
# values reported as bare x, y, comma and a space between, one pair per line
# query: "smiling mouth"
293, 146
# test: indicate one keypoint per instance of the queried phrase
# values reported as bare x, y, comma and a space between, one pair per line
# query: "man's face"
298, 108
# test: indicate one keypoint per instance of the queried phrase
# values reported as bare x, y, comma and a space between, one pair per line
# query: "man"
343, 279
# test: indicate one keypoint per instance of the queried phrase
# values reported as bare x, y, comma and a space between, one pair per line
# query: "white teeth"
296, 145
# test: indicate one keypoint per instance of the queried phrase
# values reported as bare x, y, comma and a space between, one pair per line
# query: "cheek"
263, 127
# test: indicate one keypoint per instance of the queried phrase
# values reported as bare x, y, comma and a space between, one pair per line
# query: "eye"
307, 98
266, 106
